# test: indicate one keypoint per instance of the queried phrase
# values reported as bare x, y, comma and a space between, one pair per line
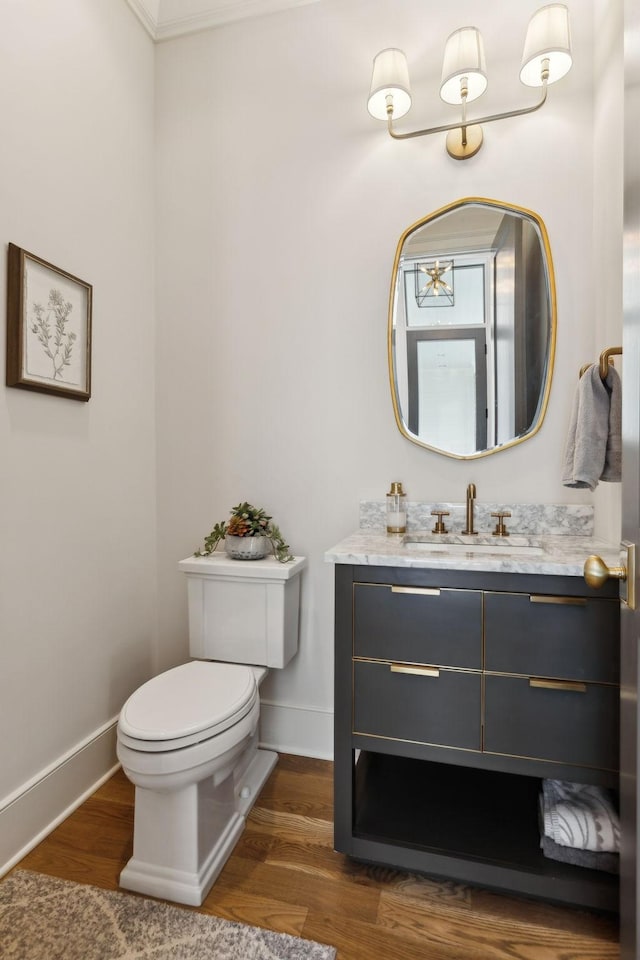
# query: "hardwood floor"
284, 875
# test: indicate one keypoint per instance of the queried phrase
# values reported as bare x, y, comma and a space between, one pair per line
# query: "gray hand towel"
612, 471
594, 432
593, 860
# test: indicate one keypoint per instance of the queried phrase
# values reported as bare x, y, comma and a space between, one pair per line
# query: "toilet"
188, 738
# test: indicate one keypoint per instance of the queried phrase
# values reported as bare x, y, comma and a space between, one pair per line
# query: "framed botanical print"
48, 327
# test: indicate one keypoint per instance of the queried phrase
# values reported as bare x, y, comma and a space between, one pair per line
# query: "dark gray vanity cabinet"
455, 694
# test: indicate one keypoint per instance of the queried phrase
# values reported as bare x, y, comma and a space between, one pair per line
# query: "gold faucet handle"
439, 527
501, 530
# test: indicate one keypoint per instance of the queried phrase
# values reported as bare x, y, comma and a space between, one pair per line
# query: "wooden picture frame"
48, 327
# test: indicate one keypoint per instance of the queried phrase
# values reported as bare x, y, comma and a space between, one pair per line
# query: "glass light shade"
548, 38
390, 78
463, 57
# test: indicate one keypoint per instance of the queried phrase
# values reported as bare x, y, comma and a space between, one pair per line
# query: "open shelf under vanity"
458, 822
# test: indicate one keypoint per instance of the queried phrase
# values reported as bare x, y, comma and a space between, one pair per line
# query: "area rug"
43, 918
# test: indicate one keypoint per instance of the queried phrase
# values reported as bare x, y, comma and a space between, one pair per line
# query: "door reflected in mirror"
472, 323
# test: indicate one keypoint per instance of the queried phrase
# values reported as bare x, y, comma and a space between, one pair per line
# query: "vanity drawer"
533, 717
418, 625
569, 637
426, 706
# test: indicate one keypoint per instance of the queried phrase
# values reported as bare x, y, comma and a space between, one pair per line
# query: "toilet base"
183, 838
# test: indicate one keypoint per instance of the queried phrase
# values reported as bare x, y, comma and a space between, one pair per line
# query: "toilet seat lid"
186, 705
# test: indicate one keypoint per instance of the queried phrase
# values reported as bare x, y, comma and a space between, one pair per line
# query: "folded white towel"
593, 450
580, 815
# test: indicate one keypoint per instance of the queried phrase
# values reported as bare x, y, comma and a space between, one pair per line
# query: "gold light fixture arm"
464, 124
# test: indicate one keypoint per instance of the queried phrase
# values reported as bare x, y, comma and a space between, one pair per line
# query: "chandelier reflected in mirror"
433, 289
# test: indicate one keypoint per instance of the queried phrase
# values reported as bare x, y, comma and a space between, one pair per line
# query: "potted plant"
250, 534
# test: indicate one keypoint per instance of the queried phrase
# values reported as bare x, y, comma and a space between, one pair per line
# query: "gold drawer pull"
572, 601
416, 671
422, 591
574, 685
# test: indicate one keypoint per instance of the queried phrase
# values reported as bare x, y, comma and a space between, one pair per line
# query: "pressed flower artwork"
48, 328
50, 325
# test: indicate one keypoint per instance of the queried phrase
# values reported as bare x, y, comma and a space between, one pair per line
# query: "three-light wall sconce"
546, 59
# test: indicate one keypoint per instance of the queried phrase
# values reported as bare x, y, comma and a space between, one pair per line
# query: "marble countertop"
544, 554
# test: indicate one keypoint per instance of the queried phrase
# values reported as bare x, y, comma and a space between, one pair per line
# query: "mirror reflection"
472, 328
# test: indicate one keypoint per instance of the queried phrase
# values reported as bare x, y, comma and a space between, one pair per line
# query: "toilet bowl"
180, 739
188, 738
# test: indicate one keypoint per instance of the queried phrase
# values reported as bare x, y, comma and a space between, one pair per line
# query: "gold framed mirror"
472, 328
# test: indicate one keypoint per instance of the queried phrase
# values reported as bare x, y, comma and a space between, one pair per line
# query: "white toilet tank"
243, 611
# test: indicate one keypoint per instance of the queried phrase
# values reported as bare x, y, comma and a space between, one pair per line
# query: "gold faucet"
471, 499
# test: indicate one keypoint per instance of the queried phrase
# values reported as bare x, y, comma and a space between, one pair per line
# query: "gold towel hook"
605, 361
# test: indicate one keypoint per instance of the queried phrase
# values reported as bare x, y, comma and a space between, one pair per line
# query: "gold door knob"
596, 572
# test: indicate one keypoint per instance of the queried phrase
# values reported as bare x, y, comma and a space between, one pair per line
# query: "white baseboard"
304, 731
29, 814
38, 806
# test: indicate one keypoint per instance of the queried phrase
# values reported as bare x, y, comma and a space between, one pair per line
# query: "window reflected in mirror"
472, 328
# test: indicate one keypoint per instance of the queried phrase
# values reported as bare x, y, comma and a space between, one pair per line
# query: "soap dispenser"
396, 509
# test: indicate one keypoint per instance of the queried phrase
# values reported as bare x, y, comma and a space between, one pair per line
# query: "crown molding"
147, 13
158, 19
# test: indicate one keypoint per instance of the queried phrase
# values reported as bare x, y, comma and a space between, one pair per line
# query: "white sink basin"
511, 546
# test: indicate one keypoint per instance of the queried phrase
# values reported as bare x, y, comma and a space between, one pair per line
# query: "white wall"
77, 512
280, 205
